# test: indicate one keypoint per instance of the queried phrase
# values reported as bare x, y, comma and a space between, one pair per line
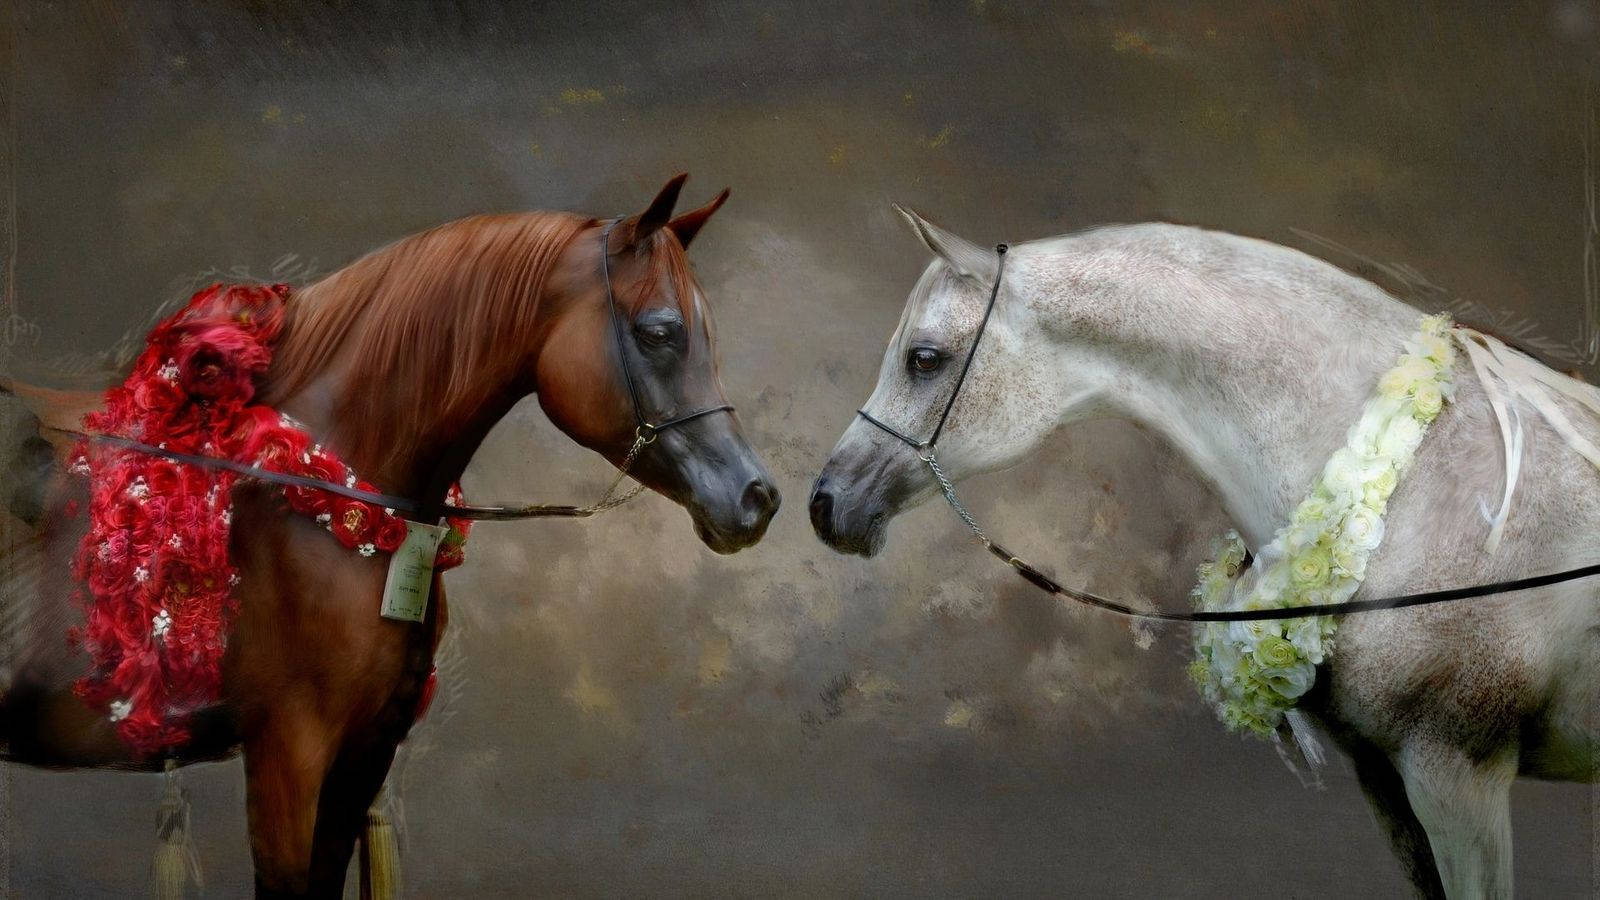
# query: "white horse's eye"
924, 360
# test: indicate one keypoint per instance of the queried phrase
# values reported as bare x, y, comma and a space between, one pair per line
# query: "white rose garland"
1254, 672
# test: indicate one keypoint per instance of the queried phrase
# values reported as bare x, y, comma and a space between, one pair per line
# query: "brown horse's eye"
655, 335
924, 360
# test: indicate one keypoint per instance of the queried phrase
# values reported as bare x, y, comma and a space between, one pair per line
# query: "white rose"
1363, 435
1349, 563
1306, 635
1400, 439
1362, 529
1343, 476
1379, 488
1292, 681
1426, 401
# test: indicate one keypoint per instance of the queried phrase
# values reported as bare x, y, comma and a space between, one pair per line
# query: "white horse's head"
1009, 401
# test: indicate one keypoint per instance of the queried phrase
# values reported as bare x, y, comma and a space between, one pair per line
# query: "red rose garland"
154, 563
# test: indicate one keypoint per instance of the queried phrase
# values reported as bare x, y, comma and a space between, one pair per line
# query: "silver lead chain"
950, 495
610, 499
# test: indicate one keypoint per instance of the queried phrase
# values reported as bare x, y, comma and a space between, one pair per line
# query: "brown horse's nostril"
822, 513
760, 497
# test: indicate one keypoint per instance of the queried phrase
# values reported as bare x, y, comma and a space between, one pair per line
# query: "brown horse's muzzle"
709, 468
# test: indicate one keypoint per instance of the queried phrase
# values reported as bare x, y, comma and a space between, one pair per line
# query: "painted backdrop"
625, 713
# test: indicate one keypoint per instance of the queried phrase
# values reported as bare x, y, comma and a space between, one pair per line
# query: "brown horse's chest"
308, 635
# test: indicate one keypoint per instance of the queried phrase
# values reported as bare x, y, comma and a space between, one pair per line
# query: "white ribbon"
1524, 378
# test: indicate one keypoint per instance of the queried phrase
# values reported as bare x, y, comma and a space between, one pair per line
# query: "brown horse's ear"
688, 225
638, 228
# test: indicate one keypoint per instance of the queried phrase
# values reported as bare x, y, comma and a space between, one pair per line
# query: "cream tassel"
176, 861
380, 853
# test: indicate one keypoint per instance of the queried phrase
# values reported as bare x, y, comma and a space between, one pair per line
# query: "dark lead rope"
925, 452
645, 433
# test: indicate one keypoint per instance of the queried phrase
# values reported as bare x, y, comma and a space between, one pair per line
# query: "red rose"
274, 445
162, 477
157, 395
391, 534
324, 467
353, 522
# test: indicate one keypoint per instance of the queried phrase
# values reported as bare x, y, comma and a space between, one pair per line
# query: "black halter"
645, 430
1037, 578
645, 433
925, 448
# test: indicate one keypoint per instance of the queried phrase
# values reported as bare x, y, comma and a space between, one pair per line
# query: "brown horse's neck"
403, 361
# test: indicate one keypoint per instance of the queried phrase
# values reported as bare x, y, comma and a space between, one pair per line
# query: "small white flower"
366, 549
105, 552
139, 490
170, 371
175, 542
120, 709
80, 466
227, 516
141, 574
233, 580
350, 480
160, 624
324, 518
1437, 348
305, 458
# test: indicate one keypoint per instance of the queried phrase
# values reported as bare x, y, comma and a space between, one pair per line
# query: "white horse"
1253, 360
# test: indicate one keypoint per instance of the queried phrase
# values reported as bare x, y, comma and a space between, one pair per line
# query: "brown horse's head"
662, 339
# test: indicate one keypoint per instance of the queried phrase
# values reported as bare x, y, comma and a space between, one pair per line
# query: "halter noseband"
645, 431
925, 448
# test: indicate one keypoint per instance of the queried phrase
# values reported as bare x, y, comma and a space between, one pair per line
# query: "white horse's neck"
1250, 359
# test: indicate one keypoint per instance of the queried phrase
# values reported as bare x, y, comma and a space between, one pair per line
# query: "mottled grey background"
626, 713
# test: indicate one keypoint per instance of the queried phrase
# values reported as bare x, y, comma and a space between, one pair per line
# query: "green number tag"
405, 593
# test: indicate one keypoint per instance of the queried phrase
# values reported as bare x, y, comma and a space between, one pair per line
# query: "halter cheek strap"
925, 448
645, 431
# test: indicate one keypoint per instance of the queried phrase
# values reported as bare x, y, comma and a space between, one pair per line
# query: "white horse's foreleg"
1465, 806
1386, 795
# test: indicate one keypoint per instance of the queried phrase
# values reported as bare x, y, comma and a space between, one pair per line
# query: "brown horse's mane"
429, 297
440, 313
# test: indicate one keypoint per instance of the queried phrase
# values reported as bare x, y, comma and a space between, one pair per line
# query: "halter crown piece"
925, 448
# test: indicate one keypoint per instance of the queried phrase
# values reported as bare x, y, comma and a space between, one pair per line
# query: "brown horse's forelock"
667, 264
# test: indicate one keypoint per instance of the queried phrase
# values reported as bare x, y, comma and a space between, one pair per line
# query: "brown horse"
403, 361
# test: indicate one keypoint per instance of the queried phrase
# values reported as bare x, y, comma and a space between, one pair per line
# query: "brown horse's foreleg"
352, 784
286, 761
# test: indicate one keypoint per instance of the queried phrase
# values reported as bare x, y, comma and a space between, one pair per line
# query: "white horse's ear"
963, 256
